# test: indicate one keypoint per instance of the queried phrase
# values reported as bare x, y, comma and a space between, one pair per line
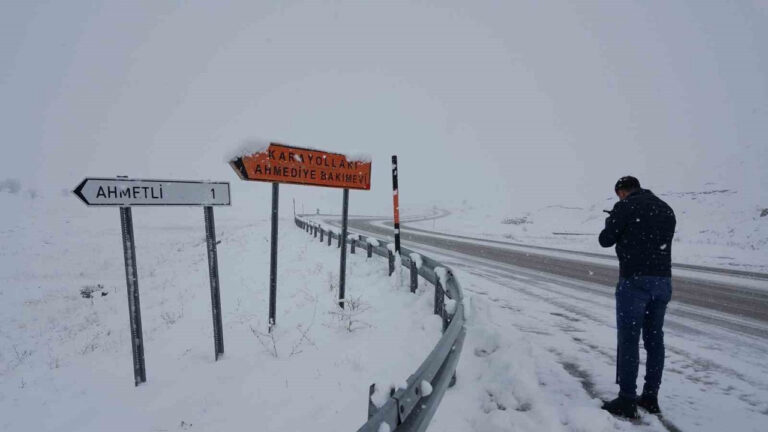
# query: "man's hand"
614, 224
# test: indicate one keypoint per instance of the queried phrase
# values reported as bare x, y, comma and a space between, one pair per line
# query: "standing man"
641, 226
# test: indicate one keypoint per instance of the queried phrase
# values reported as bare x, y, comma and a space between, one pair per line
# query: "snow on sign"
279, 163
134, 192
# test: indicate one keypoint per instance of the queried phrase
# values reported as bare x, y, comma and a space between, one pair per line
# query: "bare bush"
267, 341
349, 316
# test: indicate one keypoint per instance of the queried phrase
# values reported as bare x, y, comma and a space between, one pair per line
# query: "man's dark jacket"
641, 226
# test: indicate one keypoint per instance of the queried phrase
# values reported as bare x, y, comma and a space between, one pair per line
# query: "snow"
384, 427
391, 247
359, 157
417, 259
426, 388
372, 241
441, 273
69, 353
539, 358
247, 148
258, 145
450, 306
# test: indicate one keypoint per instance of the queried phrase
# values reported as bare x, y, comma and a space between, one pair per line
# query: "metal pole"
396, 203
273, 257
343, 244
134, 308
213, 272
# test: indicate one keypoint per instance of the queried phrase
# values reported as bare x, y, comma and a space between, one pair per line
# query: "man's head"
625, 186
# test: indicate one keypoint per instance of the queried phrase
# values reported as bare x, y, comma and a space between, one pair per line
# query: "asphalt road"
714, 294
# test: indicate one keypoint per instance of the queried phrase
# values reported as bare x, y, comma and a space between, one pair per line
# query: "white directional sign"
134, 192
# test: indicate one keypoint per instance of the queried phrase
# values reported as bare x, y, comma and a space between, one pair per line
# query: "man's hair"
627, 183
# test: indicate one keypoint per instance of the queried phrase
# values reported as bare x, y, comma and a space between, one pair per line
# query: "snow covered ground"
65, 360
538, 356
716, 226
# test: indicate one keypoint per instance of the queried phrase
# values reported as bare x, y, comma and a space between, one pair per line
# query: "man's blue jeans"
641, 302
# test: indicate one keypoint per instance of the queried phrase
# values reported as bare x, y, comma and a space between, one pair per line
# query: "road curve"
714, 294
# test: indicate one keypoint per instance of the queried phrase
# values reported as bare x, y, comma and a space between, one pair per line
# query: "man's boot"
622, 407
650, 403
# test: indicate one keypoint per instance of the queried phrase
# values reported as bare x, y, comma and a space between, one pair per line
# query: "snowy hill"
715, 226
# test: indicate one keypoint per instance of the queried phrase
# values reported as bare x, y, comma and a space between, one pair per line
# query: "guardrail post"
370, 250
414, 276
439, 297
352, 246
322, 233
340, 240
330, 237
391, 259
371, 406
314, 229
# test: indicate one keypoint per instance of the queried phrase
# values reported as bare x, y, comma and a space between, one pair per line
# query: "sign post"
343, 239
273, 256
280, 163
134, 309
213, 273
127, 193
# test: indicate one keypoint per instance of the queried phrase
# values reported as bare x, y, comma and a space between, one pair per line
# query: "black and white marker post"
343, 239
396, 204
127, 193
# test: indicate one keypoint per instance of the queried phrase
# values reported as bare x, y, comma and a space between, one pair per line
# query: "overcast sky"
516, 103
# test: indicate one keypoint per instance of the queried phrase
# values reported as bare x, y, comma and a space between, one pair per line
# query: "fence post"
414, 276
370, 250
391, 259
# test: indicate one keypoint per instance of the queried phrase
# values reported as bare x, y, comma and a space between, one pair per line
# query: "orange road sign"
284, 164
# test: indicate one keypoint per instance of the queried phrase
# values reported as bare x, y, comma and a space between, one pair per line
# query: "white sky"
516, 104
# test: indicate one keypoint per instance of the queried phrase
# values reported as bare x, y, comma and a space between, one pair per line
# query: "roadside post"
396, 204
126, 193
279, 163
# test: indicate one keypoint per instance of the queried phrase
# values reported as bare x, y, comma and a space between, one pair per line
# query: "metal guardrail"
409, 409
